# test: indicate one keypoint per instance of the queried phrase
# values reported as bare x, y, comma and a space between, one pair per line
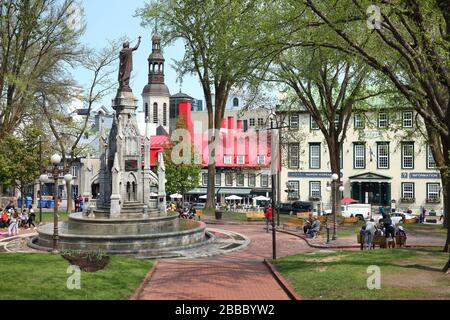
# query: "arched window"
164, 114
155, 113
146, 112
235, 102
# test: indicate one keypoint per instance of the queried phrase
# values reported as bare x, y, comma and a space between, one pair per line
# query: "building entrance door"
375, 193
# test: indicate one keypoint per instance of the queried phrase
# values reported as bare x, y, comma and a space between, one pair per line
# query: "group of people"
385, 227
312, 226
13, 220
79, 203
184, 212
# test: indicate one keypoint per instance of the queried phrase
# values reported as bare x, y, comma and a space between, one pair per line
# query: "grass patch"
48, 216
405, 274
44, 277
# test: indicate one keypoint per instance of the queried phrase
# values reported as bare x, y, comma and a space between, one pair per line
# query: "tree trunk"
211, 188
69, 197
445, 176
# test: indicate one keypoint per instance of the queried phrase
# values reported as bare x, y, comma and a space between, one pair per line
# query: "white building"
384, 158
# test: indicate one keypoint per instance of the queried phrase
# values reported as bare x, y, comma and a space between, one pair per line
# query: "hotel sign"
421, 175
310, 174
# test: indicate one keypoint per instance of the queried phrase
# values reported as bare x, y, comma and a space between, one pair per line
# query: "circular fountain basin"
150, 236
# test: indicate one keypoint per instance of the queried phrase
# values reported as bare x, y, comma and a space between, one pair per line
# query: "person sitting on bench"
314, 229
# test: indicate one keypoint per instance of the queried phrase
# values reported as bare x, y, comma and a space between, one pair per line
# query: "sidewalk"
238, 275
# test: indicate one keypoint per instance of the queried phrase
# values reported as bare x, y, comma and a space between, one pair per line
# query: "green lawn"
405, 274
240, 216
48, 216
44, 276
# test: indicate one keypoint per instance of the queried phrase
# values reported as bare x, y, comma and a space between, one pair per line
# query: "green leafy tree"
181, 177
222, 47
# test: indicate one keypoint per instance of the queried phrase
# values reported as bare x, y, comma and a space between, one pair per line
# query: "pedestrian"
31, 217
13, 228
269, 216
315, 228
369, 234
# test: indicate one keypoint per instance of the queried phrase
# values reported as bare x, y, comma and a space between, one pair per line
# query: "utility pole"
40, 182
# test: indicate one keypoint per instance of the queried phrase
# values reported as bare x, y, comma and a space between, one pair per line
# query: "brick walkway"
235, 276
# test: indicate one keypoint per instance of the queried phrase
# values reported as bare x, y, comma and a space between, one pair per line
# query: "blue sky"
113, 19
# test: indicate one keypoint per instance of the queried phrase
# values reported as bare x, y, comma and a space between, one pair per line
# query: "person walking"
369, 232
31, 217
269, 215
13, 228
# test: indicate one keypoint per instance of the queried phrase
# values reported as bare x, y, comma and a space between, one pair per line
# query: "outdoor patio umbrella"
153, 194
261, 198
348, 200
176, 196
203, 196
233, 197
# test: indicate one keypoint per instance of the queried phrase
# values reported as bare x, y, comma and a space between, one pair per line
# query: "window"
314, 189
155, 113
240, 159
164, 114
313, 124
227, 160
251, 122
314, 155
240, 179
251, 179
264, 180
235, 102
146, 112
336, 120
205, 179
431, 164
261, 122
433, 191
294, 156
383, 155
218, 179
228, 179
359, 156
359, 122
341, 157
262, 159
408, 190
293, 122
407, 119
294, 189
74, 171
408, 155
382, 120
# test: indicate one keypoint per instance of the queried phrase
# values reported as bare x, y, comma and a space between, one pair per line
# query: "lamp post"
334, 187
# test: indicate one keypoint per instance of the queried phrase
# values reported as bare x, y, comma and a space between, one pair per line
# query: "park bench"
303, 215
400, 241
350, 220
413, 220
323, 220
255, 215
294, 223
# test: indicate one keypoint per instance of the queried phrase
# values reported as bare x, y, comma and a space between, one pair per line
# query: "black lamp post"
335, 186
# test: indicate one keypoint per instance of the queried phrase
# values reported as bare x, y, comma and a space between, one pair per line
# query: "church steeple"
156, 61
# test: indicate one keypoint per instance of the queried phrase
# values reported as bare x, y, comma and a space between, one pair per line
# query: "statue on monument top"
126, 65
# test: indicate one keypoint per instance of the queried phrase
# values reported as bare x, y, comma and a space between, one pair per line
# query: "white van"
361, 210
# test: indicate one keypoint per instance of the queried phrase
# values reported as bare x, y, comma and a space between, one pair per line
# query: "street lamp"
68, 179
55, 160
333, 187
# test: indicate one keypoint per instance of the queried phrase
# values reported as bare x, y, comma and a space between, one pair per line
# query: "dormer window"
235, 102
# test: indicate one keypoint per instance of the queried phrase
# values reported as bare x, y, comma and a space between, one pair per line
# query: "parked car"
396, 217
361, 210
296, 207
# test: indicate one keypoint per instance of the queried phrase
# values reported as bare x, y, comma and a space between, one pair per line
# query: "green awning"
225, 191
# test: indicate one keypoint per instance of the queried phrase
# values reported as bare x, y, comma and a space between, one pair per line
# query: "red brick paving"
240, 275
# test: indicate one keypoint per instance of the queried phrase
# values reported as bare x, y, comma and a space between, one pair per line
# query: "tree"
181, 177
409, 43
19, 165
69, 133
222, 48
36, 47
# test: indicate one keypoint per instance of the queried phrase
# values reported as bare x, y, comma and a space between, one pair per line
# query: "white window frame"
264, 182
295, 185
219, 177
383, 157
240, 159
358, 156
433, 194
74, 171
227, 159
294, 122
383, 118
260, 122
204, 179
294, 156
408, 155
251, 122
239, 182
314, 158
155, 113
431, 163
252, 180
313, 123
227, 176
359, 121
261, 159
408, 190
407, 122
315, 189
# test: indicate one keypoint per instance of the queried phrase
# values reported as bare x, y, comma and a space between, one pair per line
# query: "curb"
317, 246
281, 281
137, 293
